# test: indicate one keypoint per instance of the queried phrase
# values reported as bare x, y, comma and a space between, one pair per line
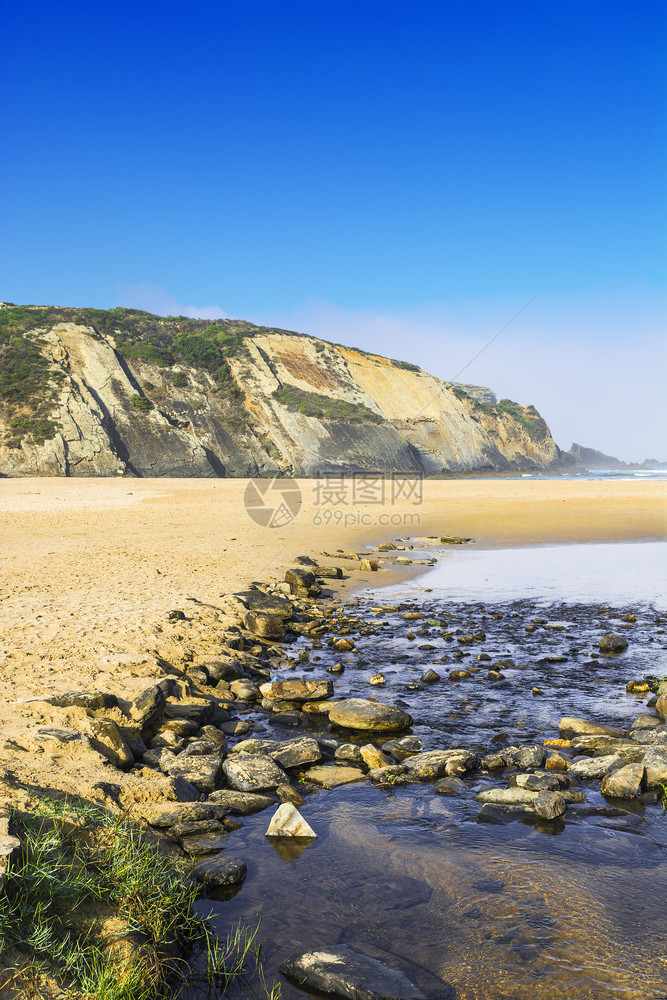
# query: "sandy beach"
91, 567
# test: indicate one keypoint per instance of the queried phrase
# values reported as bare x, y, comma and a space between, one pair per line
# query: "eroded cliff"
94, 393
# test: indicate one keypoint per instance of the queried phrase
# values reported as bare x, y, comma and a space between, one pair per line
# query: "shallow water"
525, 911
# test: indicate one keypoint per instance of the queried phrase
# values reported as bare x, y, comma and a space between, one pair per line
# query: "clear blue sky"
372, 161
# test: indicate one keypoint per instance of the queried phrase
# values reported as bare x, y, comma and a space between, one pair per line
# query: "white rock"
287, 821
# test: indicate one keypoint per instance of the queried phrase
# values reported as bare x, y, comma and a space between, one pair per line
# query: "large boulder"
340, 972
360, 713
253, 773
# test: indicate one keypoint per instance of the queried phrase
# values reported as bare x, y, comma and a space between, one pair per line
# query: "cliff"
87, 392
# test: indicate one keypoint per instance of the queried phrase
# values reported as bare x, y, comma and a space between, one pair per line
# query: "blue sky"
400, 176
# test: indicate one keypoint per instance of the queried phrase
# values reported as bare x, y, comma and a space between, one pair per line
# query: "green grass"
312, 404
140, 404
72, 874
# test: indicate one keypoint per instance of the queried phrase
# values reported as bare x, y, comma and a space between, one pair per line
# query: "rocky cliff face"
90, 393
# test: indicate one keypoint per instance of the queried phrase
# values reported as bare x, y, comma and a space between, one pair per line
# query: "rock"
404, 746
265, 626
556, 762
613, 643
297, 689
196, 827
655, 766
601, 746
549, 805
658, 735
391, 774
528, 756
624, 783
595, 767
220, 871
372, 757
330, 776
507, 796
449, 786
226, 668
266, 604
46, 734
92, 701
287, 821
149, 705
377, 680
241, 803
166, 814
537, 782
349, 753
497, 814
437, 763
253, 773
369, 565
430, 677
328, 572
244, 690
302, 583
288, 794
296, 753
107, 739
203, 772
204, 748
645, 722
661, 705
235, 727
205, 843
340, 972
360, 713
584, 727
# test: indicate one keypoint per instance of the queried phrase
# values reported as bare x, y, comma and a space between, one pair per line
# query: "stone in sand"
287, 821
360, 713
107, 739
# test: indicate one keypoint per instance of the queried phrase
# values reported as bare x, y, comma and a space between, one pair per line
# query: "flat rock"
297, 689
343, 973
584, 727
253, 773
594, 767
204, 772
360, 713
241, 803
538, 782
220, 871
92, 701
173, 813
404, 746
493, 812
205, 843
527, 756
507, 796
287, 821
296, 753
330, 776
449, 786
623, 783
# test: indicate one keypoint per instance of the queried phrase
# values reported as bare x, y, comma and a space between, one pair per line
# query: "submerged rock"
220, 871
343, 973
613, 643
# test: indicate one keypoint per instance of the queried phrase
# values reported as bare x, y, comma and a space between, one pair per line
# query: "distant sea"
619, 475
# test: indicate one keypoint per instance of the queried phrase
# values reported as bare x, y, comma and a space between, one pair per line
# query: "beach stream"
510, 911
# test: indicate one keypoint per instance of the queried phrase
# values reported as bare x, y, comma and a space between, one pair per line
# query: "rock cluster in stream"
198, 768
